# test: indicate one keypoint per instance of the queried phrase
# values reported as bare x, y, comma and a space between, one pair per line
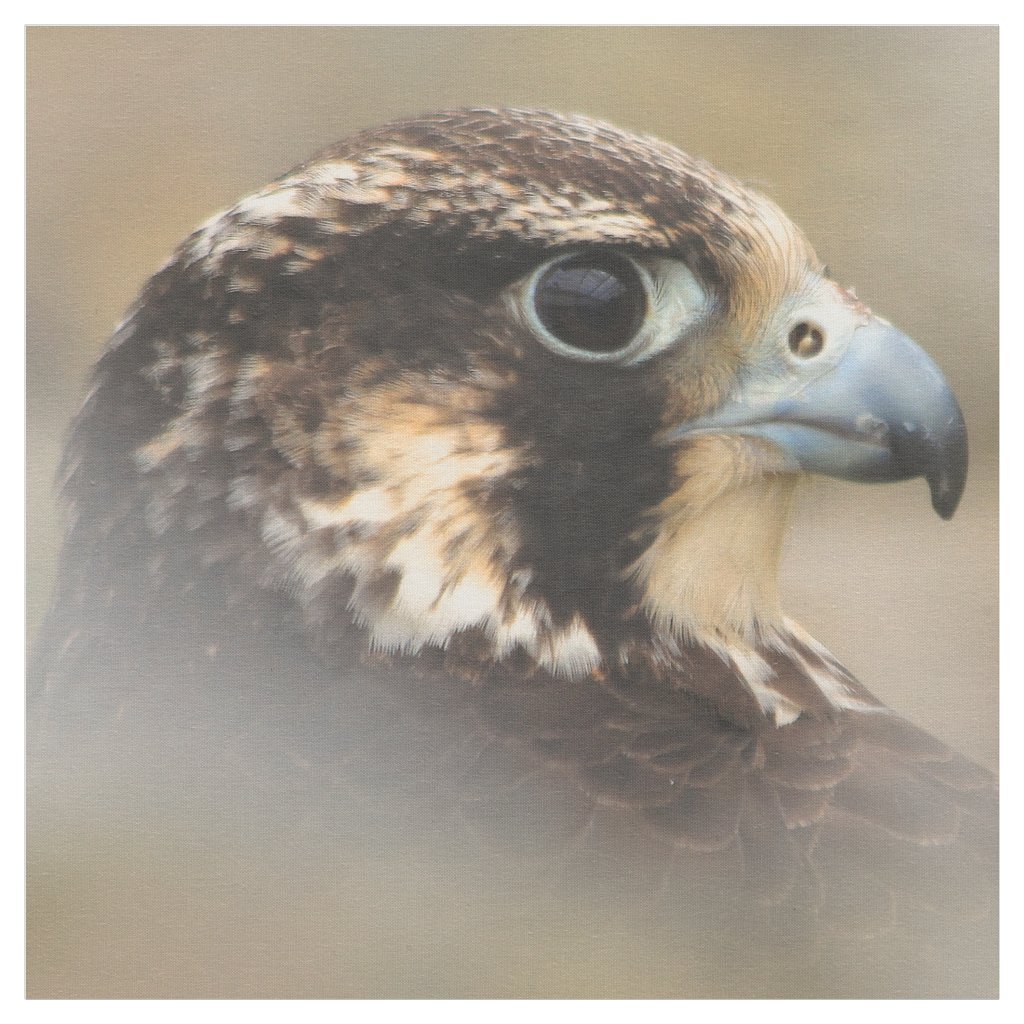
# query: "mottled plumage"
332, 458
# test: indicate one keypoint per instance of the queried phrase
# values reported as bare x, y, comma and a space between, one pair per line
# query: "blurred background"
880, 142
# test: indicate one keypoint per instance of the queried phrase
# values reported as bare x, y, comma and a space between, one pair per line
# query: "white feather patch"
757, 675
571, 652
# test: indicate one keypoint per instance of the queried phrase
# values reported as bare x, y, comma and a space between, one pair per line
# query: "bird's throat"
711, 574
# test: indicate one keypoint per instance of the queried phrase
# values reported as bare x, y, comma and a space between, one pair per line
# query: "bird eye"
592, 304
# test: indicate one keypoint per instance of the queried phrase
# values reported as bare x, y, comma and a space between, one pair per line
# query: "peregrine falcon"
451, 470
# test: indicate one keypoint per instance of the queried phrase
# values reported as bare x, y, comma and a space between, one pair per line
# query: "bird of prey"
444, 480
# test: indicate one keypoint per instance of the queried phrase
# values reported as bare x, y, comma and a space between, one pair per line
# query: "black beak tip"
947, 480
944, 501
939, 455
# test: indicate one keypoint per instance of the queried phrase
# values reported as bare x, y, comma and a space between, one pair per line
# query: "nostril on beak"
806, 340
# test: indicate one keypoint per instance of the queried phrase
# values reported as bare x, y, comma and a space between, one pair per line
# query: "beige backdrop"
880, 143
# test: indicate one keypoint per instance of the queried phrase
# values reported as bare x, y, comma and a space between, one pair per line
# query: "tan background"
880, 143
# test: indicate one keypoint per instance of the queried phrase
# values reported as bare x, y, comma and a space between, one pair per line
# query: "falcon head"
512, 384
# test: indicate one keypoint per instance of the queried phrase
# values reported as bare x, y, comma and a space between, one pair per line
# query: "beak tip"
944, 505
947, 487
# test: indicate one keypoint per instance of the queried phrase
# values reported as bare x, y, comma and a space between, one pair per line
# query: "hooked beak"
883, 412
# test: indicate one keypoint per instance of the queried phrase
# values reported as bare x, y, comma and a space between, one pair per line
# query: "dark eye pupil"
592, 301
